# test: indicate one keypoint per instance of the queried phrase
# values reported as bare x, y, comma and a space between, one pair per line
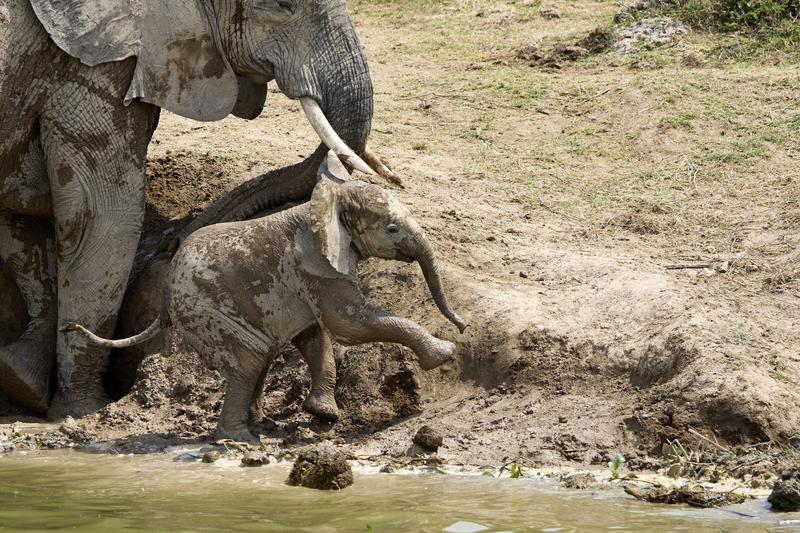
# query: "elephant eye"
288, 5
392, 228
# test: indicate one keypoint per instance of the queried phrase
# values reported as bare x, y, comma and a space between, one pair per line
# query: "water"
84, 492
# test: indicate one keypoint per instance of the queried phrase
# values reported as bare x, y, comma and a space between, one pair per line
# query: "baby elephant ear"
331, 237
332, 169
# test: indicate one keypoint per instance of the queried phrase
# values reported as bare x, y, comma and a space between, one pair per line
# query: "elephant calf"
237, 292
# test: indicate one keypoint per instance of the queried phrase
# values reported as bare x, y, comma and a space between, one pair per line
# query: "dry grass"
716, 148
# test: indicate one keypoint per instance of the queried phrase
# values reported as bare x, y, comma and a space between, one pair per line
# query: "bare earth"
621, 234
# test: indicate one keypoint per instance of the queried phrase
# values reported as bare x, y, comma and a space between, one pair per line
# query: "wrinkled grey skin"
81, 86
238, 292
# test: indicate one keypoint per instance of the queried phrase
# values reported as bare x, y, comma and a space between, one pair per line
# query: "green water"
84, 492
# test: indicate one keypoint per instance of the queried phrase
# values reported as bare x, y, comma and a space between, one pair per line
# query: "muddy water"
85, 492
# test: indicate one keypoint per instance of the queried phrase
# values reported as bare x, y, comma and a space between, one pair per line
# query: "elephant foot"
322, 406
236, 435
440, 352
76, 406
25, 375
256, 414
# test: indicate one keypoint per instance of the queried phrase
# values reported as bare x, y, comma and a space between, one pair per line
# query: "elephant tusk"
329, 137
372, 159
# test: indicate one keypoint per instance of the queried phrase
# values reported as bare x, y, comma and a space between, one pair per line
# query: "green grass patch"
758, 26
681, 121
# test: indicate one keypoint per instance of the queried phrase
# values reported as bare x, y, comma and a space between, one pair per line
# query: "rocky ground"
618, 218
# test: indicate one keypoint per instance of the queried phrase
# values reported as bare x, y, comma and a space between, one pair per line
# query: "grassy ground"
697, 161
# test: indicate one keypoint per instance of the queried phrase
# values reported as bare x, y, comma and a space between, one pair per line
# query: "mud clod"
322, 467
692, 494
211, 457
578, 480
785, 494
598, 40
75, 433
428, 438
255, 459
549, 13
569, 52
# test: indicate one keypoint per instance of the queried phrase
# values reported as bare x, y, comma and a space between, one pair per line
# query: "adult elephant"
81, 86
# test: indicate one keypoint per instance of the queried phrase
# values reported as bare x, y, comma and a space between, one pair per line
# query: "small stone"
562, 419
648, 32
255, 459
322, 467
578, 480
523, 275
211, 457
387, 469
549, 13
785, 494
428, 438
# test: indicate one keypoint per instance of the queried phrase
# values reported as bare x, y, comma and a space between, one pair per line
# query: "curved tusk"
329, 137
372, 159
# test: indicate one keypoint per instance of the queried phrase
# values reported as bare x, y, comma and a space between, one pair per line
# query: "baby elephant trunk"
422, 252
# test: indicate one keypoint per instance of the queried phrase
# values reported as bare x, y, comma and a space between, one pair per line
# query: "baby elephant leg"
241, 381
315, 346
358, 322
256, 409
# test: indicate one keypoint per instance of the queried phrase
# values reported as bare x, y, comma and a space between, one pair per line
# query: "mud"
552, 370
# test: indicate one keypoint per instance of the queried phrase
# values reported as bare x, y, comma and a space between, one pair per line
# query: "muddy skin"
238, 292
71, 89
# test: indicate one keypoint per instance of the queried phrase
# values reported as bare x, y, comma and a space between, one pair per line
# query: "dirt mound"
181, 184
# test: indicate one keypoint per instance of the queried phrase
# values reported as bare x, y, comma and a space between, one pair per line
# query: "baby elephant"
238, 292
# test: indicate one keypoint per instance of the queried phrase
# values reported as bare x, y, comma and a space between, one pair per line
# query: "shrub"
736, 15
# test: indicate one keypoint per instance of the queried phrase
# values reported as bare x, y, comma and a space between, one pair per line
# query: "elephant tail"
151, 331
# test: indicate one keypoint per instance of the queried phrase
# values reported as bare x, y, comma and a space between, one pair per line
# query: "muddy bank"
572, 355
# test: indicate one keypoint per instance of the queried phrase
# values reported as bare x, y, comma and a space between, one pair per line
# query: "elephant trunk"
339, 83
422, 251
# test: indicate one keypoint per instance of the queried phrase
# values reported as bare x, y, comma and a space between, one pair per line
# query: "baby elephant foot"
236, 435
439, 352
322, 406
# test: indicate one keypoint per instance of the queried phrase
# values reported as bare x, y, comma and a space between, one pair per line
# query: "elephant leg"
26, 247
95, 152
352, 320
256, 410
241, 382
315, 346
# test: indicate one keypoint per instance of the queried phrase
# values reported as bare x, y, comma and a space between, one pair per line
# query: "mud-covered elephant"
237, 292
81, 86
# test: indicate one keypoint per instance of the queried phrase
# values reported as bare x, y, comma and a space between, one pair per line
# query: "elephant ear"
250, 100
178, 66
330, 235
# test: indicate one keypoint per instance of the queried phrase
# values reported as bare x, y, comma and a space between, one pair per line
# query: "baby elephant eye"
392, 228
